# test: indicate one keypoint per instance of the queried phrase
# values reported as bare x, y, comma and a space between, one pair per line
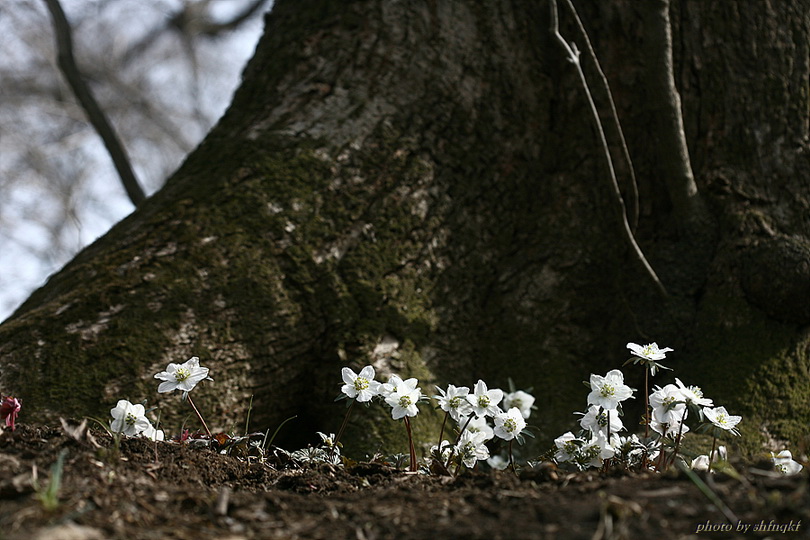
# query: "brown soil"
175, 490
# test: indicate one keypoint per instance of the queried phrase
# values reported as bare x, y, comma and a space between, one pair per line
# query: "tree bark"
417, 185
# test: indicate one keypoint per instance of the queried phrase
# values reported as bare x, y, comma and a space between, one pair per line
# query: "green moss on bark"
755, 367
289, 257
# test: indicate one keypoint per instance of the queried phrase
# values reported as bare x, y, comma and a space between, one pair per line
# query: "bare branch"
213, 29
69, 69
633, 185
573, 56
192, 19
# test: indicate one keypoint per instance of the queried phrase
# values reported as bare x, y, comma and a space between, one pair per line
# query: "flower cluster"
481, 416
471, 410
600, 424
668, 409
401, 395
472, 413
130, 419
671, 406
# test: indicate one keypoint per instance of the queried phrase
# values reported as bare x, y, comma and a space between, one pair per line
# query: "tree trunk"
418, 185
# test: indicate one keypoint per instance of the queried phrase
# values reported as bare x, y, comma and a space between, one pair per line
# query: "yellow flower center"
182, 374
360, 383
607, 390
510, 425
483, 401
405, 402
130, 419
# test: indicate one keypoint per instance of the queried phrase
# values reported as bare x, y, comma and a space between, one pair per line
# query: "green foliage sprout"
49, 496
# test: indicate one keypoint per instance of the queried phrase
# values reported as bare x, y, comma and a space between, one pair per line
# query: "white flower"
361, 386
784, 463
386, 389
477, 425
472, 447
631, 448
454, 401
667, 404
608, 391
600, 440
328, 440
498, 463
521, 400
445, 453
485, 402
649, 355
596, 419
153, 434
508, 425
129, 419
183, 376
630, 442
701, 463
403, 397
720, 418
693, 394
567, 446
593, 452
649, 351
669, 429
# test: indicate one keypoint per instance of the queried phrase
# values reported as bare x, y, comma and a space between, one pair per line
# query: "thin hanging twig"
573, 57
633, 184
96, 116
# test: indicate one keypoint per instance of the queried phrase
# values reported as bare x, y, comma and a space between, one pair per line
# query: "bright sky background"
37, 118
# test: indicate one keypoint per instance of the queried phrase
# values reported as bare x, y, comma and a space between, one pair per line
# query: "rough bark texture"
417, 184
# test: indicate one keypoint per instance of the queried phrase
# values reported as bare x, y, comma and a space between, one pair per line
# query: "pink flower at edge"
9, 409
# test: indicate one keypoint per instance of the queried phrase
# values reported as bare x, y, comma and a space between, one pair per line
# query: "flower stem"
413, 467
606, 464
661, 448
680, 434
511, 458
343, 425
711, 455
646, 412
441, 431
646, 403
453, 450
190, 402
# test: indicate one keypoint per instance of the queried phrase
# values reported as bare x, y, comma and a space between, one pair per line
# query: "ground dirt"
147, 490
